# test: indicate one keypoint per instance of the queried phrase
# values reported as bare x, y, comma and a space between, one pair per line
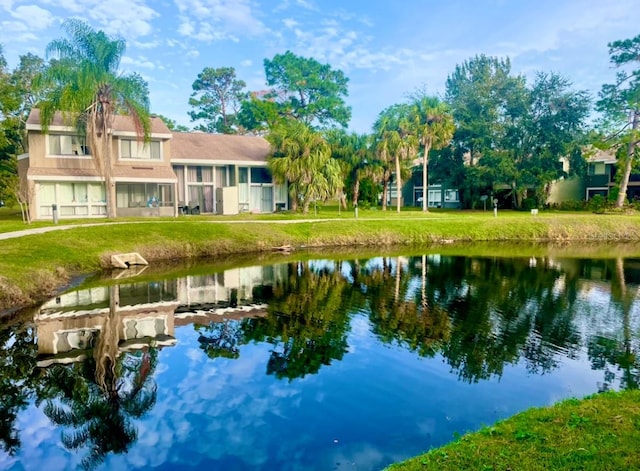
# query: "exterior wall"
569, 189
204, 185
438, 197
39, 156
73, 184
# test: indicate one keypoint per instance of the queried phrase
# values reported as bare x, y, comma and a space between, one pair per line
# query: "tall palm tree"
85, 84
434, 127
302, 157
397, 139
353, 153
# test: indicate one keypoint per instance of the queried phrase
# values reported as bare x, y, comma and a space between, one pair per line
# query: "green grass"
599, 433
34, 266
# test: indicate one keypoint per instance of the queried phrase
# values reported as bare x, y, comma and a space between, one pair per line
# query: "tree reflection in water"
618, 350
479, 315
96, 400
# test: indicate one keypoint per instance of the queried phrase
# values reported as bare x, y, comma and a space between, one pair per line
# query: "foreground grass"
599, 433
34, 266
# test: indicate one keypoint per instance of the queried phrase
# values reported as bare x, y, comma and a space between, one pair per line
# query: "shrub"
529, 204
597, 204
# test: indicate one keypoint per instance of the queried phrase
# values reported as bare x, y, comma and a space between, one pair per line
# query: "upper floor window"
596, 168
132, 149
66, 144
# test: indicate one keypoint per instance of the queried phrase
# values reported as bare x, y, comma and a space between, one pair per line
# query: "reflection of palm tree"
422, 325
620, 352
98, 403
308, 321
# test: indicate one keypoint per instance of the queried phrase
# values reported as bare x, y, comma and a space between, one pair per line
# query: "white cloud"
215, 20
290, 23
32, 15
246, 63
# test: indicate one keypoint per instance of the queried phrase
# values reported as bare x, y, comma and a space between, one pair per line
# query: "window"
260, 175
451, 195
132, 149
140, 195
66, 144
597, 168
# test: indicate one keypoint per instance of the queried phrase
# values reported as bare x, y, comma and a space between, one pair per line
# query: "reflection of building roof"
218, 147
219, 314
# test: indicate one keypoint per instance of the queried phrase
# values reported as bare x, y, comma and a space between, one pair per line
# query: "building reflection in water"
68, 327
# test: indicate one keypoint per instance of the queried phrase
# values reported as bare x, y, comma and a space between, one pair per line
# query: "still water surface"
314, 365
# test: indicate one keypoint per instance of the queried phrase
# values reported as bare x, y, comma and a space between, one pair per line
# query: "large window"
66, 144
138, 195
132, 149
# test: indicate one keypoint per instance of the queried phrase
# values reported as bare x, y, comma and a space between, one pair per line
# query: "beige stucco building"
171, 174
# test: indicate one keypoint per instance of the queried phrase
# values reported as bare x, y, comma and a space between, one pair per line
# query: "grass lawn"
34, 266
595, 434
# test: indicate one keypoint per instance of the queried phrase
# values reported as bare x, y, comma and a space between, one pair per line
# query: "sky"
388, 49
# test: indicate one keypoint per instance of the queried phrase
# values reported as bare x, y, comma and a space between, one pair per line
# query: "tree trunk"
425, 178
398, 185
385, 192
624, 182
356, 192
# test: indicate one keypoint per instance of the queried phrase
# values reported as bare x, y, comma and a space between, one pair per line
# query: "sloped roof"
121, 123
218, 147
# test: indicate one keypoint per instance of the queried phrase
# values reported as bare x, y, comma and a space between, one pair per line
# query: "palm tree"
85, 84
353, 152
302, 158
396, 138
434, 127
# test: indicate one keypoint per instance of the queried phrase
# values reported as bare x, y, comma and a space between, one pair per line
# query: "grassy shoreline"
34, 267
600, 432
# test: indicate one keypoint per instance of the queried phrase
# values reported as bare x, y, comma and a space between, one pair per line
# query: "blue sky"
388, 49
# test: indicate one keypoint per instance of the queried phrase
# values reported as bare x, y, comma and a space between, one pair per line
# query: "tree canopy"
301, 88
216, 98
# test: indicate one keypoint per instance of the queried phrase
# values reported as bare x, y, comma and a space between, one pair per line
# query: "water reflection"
91, 360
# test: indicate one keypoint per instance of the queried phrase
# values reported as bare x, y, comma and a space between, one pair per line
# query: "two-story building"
169, 175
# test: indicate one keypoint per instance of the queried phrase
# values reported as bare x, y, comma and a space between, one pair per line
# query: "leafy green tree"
514, 136
302, 89
16, 99
216, 98
434, 127
620, 103
85, 84
258, 113
554, 128
172, 124
302, 157
396, 139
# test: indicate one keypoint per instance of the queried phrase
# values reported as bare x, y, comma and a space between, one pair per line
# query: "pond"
319, 365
